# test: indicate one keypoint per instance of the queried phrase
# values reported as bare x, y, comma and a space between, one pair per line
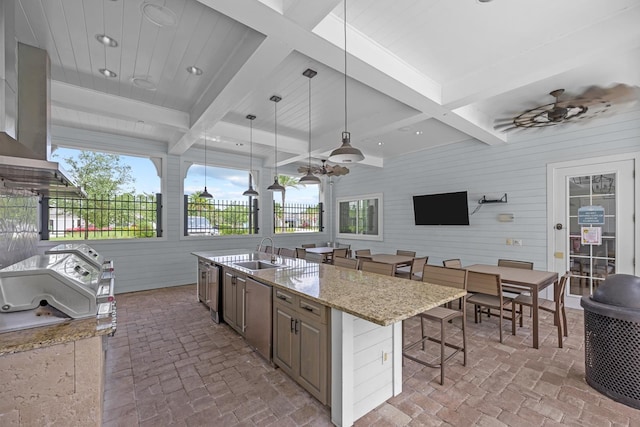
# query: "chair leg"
521, 313
513, 318
564, 321
464, 338
422, 331
442, 341
500, 324
556, 317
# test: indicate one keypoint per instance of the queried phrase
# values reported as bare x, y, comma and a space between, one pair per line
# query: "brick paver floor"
170, 365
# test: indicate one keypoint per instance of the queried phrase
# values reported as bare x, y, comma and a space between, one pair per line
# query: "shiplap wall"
517, 168
161, 262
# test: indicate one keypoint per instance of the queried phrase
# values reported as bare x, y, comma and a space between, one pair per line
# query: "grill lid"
622, 290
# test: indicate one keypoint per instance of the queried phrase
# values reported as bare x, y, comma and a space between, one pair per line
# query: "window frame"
357, 236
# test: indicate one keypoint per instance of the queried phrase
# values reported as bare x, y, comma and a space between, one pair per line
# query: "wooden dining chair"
415, 270
301, 253
455, 278
405, 253
351, 263
337, 252
556, 306
452, 263
525, 265
377, 267
487, 293
363, 252
313, 257
287, 252
309, 245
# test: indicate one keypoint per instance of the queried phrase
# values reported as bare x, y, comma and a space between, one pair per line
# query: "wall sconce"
506, 217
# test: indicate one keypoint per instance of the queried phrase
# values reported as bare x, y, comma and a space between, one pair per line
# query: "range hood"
23, 160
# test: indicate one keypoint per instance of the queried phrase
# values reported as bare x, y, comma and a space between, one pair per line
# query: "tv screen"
441, 209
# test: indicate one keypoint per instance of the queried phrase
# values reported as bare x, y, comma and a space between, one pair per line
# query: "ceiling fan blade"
303, 169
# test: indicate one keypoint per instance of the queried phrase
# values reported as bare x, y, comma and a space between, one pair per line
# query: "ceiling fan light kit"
346, 153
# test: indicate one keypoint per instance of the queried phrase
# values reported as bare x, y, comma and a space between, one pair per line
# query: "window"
123, 198
297, 209
228, 212
360, 217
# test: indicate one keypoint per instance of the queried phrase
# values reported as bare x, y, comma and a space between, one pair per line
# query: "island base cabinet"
301, 344
233, 300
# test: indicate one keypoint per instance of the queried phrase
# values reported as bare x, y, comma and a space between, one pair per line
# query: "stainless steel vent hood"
23, 161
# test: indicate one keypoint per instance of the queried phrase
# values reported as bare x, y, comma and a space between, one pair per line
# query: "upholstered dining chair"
377, 267
346, 262
556, 306
452, 263
415, 270
455, 278
487, 292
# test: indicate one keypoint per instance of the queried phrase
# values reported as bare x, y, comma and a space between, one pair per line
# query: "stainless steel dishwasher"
258, 305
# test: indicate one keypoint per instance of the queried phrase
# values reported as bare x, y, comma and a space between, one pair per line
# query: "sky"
224, 184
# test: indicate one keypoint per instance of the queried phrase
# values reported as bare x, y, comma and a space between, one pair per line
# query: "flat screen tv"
441, 209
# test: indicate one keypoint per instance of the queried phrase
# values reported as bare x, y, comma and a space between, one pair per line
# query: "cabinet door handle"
244, 310
296, 330
282, 297
308, 308
292, 323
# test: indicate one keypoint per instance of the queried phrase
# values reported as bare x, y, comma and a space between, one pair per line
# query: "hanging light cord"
205, 159
250, 148
345, 65
309, 126
275, 109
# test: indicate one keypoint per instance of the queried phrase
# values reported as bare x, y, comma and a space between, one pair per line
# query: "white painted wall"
517, 168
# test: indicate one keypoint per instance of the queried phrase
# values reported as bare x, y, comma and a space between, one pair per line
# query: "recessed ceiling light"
418, 132
159, 15
143, 82
380, 143
107, 72
106, 40
192, 69
484, 1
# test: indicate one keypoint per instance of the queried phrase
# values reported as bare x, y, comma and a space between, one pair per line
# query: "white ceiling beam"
267, 57
308, 14
107, 105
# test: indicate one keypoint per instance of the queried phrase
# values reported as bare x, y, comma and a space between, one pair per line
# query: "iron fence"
211, 217
119, 217
297, 218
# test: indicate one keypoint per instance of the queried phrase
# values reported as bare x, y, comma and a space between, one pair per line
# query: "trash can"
612, 338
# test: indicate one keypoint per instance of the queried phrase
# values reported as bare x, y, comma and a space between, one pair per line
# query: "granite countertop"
383, 300
59, 333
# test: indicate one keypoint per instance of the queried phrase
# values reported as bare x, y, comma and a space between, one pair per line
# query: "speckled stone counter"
382, 300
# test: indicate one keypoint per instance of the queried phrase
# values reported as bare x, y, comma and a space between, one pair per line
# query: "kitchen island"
366, 313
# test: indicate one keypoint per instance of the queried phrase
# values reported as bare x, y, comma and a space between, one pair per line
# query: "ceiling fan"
592, 102
325, 169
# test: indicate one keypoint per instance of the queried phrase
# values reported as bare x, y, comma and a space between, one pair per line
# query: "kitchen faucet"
273, 257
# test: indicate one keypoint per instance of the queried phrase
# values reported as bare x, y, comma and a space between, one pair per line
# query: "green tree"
100, 174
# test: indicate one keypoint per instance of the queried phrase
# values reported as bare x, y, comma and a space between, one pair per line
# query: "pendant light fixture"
346, 153
309, 178
250, 192
205, 194
276, 185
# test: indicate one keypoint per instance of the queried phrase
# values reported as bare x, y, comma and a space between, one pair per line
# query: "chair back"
452, 277
309, 245
340, 252
287, 252
484, 283
301, 253
405, 253
363, 252
267, 249
417, 265
311, 257
560, 289
525, 265
452, 263
345, 262
377, 267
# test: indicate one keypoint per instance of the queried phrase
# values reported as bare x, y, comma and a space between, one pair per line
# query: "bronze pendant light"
276, 185
309, 178
251, 192
346, 153
205, 194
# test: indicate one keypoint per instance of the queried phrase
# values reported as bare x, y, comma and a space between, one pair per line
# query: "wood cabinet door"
313, 357
228, 299
202, 283
284, 349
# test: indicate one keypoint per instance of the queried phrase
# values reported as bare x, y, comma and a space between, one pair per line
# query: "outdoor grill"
612, 338
53, 288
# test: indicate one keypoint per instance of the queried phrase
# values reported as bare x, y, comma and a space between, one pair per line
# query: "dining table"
395, 260
532, 280
325, 251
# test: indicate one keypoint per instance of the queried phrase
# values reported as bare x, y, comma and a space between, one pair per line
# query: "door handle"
292, 327
558, 226
296, 330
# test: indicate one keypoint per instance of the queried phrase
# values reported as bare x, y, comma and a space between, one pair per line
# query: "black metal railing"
211, 217
119, 217
297, 218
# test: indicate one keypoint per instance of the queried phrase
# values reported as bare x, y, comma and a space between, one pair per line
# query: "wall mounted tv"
441, 209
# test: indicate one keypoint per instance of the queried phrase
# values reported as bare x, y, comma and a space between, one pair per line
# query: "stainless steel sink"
256, 265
